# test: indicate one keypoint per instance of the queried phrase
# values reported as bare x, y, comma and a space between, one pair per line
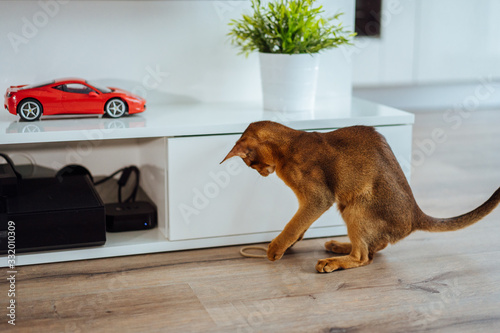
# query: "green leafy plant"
289, 27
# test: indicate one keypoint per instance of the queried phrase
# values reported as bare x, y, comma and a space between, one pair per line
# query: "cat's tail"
428, 223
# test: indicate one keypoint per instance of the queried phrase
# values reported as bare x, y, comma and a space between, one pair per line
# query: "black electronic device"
9, 177
128, 216
8, 180
52, 213
73, 170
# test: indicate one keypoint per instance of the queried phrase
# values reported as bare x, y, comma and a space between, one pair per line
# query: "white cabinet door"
208, 199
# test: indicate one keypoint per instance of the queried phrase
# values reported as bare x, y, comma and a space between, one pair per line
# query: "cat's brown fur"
353, 167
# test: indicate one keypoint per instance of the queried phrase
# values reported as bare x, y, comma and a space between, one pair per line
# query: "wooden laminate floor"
448, 282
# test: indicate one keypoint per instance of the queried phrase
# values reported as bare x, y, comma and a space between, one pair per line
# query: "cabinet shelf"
193, 119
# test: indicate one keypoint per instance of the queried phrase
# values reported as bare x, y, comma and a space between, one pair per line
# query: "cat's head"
255, 152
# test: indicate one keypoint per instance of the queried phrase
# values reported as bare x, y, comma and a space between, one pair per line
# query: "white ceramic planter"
288, 81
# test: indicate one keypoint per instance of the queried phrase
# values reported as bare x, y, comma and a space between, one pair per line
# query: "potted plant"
288, 34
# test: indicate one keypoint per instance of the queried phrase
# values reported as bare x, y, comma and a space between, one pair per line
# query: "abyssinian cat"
353, 167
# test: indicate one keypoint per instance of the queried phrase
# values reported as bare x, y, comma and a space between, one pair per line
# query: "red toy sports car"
70, 96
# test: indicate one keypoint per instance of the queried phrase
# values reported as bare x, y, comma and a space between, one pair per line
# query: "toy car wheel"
30, 110
115, 108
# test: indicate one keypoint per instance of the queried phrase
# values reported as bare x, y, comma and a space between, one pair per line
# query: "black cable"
108, 178
132, 196
119, 193
122, 181
9, 161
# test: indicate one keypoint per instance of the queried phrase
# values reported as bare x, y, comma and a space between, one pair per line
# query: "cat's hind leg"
356, 257
346, 248
338, 247
379, 247
359, 256
362, 235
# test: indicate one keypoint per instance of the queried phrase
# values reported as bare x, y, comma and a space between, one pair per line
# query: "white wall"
429, 42
388, 59
169, 51
458, 40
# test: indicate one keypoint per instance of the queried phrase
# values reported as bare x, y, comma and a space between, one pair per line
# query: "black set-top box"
52, 213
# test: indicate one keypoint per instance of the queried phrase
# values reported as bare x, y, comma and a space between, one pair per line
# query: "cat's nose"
264, 172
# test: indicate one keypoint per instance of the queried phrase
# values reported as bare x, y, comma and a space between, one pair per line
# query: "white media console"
201, 203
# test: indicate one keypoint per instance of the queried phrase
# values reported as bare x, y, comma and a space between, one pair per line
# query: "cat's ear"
238, 150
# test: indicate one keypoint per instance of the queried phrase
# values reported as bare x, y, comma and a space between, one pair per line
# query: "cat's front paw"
275, 251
